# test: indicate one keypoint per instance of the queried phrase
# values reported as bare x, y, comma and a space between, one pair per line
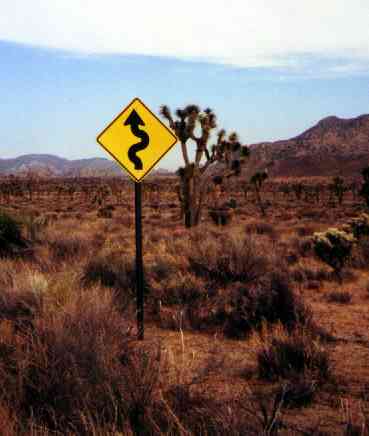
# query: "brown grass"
254, 334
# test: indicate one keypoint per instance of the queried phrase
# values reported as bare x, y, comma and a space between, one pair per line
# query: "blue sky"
58, 94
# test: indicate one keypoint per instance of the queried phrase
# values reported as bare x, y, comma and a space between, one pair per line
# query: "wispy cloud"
242, 33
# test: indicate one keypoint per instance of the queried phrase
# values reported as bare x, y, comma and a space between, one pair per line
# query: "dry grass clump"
286, 355
305, 230
67, 248
23, 298
11, 239
260, 228
112, 267
360, 254
69, 366
303, 246
271, 300
228, 259
227, 283
339, 297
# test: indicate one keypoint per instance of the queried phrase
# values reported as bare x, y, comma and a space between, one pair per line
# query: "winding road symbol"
135, 121
137, 139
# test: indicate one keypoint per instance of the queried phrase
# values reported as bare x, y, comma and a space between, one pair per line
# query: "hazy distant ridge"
46, 164
333, 146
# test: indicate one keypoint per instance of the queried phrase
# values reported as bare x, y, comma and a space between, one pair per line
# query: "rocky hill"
334, 146
49, 165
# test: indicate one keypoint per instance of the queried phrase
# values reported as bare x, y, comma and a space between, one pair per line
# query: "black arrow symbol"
134, 121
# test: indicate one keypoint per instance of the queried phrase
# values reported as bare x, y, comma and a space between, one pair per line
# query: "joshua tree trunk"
191, 198
195, 177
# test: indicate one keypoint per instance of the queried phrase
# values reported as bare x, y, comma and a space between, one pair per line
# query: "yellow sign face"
137, 139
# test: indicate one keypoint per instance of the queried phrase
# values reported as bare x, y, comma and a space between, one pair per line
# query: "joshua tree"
224, 159
364, 192
257, 181
338, 188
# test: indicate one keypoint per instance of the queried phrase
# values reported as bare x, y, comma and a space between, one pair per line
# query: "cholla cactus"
195, 177
334, 248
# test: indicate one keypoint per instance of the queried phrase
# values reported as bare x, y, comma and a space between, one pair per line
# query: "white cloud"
236, 32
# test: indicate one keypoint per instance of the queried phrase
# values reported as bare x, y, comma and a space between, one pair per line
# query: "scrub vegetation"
256, 322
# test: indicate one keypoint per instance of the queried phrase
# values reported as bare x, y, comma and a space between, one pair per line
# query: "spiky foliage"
334, 247
193, 124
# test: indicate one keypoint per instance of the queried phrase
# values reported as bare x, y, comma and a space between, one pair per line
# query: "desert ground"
247, 330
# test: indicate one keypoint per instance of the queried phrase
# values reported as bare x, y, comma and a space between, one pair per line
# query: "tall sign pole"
137, 140
139, 262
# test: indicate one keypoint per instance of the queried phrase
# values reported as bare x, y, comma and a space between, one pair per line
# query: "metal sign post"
137, 158
139, 262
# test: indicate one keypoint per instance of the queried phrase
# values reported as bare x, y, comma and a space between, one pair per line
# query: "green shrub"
334, 248
10, 235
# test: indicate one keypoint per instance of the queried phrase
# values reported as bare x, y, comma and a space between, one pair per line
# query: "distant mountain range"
334, 146
50, 165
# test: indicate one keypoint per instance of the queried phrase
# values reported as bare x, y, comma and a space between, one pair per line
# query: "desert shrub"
66, 248
20, 307
228, 260
35, 225
260, 228
339, 297
180, 289
82, 373
322, 274
114, 269
297, 392
271, 300
124, 221
360, 226
11, 239
287, 356
303, 231
364, 249
334, 248
303, 246
221, 216
313, 285
72, 365
304, 274
105, 212
298, 275
360, 255
312, 214
291, 258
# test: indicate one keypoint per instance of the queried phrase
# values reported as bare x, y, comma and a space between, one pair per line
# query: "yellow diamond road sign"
137, 139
